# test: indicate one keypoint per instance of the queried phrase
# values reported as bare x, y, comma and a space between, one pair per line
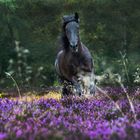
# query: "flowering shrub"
70, 118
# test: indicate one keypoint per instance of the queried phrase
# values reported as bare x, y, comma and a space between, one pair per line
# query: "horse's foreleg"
87, 82
77, 86
65, 91
67, 88
71, 87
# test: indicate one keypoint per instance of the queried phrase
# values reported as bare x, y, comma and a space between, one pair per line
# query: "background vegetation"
30, 32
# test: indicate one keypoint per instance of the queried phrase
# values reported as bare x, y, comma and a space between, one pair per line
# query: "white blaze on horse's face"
72, 33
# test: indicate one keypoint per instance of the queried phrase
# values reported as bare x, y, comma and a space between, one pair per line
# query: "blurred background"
30, 31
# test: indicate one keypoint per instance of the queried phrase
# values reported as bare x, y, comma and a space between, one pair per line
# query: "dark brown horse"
74, 63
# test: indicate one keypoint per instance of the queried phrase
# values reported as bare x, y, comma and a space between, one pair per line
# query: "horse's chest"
81, 64
76, 65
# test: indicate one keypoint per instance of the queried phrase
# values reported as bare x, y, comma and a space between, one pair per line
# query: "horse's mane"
64, 39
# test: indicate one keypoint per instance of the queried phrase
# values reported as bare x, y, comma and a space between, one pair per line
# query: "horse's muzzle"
74, 48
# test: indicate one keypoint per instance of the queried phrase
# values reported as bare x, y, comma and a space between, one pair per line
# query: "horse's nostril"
74, 46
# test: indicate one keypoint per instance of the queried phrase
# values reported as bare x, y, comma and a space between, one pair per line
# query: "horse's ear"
76, 16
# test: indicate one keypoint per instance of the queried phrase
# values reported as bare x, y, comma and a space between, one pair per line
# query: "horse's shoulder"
86, 53
60, 52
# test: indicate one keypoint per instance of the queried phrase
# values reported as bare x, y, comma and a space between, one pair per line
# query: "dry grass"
31, 97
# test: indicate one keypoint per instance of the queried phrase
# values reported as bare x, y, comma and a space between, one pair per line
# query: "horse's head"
71, 30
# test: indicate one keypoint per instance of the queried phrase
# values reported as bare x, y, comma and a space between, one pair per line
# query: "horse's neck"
80, 47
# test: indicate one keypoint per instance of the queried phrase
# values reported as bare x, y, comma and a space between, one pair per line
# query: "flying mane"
64, 39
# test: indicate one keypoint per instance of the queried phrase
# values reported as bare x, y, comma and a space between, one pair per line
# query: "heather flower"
3, 136
67, 118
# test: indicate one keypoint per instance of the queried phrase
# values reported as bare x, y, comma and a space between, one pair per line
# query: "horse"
74, 63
